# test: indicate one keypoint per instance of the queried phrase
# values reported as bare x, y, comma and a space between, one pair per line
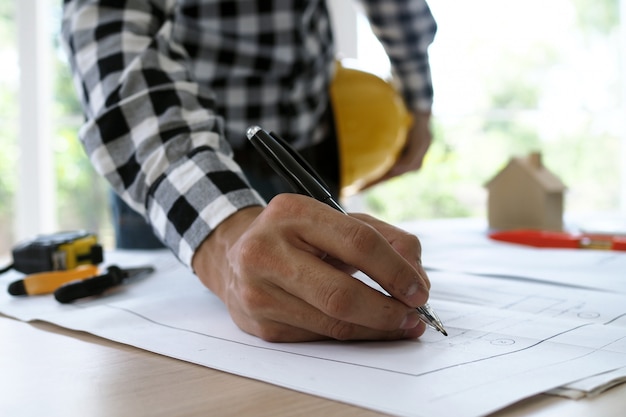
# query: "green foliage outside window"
8, 127
82, 201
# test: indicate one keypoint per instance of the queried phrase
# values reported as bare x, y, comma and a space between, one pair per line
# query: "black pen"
288, 163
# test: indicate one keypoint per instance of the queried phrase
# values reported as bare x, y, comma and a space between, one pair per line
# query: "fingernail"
413, 289
410, 321
417, 294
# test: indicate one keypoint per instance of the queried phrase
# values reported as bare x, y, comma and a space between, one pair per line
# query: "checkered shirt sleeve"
150, 128
406, 28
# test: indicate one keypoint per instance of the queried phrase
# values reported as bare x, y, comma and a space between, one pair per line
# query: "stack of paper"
519, 325
461, 245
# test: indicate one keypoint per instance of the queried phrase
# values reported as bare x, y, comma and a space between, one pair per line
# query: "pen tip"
437, 325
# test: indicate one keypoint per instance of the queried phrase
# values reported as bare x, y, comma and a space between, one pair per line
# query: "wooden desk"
51, 371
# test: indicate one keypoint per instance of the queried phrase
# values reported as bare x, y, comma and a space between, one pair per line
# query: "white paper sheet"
592, 386
463, 246
508, 340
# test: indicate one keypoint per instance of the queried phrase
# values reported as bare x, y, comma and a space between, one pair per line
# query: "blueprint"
509, 338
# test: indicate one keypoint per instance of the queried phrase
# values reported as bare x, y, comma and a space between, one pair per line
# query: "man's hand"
284, 273
418, 141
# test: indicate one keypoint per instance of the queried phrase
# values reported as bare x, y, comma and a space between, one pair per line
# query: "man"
169, 88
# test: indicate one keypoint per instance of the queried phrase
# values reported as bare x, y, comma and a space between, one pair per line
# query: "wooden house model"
525, 195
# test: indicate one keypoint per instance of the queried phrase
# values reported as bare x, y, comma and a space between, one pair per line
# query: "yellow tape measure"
57, 252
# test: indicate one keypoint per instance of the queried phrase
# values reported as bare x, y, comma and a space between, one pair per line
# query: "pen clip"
288, 164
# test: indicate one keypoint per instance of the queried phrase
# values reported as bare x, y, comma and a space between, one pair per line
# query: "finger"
356, 243
316, 228
405, 243
278, 332
296, 321
345, 298
412, 157
418, 141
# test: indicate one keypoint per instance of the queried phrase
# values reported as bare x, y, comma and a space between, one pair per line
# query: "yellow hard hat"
372, 123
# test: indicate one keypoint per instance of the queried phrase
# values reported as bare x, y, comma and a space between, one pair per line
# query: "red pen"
549, 239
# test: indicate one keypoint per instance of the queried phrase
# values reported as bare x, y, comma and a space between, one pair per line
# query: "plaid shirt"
169, 87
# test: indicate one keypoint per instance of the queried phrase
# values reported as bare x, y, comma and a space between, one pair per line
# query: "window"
510, 78
46, 181
81, 194
8, 123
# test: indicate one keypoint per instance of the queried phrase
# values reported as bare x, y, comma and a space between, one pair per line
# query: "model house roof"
529, 168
